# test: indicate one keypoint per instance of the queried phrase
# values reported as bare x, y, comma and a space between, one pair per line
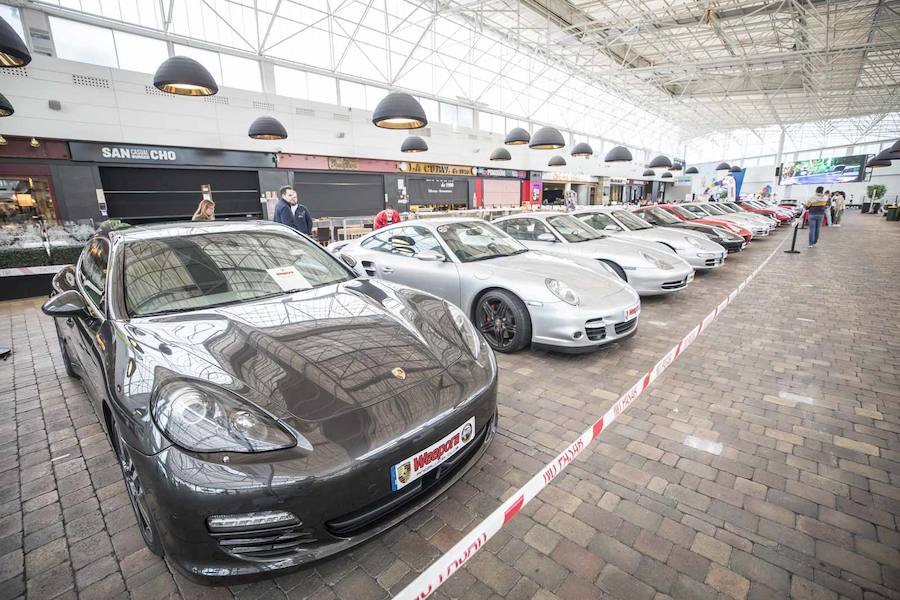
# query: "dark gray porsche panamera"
267, 407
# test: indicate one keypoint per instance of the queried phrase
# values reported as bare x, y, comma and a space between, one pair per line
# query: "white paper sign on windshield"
289, 278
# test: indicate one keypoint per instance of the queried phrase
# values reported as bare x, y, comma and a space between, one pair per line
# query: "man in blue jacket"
289, 211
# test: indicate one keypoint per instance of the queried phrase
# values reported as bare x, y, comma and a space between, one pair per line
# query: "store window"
26, 200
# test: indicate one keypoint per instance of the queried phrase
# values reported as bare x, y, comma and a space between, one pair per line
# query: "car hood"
627, 253
582, 277
670, 237
322, 354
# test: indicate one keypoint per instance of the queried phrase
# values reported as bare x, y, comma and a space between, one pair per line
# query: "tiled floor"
765, 463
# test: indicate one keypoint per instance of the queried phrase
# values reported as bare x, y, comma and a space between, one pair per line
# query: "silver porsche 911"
647, 267
695, 248
514, 296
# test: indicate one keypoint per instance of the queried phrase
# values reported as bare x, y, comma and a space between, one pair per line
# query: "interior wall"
113, 105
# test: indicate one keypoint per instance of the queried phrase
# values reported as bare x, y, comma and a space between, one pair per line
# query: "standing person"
289, 211
206, 211
386, 217
828, 208
816, 207
838, 200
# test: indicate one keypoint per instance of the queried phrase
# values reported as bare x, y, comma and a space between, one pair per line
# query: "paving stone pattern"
802, 501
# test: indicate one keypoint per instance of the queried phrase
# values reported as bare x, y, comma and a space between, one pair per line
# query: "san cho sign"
131, 153
163, 155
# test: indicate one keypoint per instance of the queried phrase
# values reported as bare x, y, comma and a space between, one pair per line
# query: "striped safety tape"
453, 560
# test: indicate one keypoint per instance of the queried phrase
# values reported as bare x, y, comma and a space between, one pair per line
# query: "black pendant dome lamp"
649, 173
734, 169
547, 138
414, 143
399, 110
6, 108
660, 162
691, 171
582, 149
557, 161
13, 51
618, 154
723, 166
267, 128
517, 137
667, 175
185, 77
501, 154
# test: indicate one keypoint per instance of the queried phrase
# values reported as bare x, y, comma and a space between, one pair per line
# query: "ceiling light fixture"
547, 138
734, 169
557, 161
414, 143
618, 154
399, 110
691, 171
649, 173
6, 107
501, 154
582, 149
267, 128
185, 77
517, 137
660, 162
723, 166
667, 175
13, 51
34, 143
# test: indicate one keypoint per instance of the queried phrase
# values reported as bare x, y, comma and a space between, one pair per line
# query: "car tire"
503, 320
67, 362
619, 270
136, 492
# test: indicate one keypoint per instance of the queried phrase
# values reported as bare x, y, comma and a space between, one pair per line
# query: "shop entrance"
25, 199
554, 194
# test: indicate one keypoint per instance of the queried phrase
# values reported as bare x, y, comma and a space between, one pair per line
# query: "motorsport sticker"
417, 465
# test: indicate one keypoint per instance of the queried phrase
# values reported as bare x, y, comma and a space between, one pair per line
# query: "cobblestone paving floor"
764, 463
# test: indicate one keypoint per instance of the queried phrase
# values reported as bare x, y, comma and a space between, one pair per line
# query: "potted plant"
876, 192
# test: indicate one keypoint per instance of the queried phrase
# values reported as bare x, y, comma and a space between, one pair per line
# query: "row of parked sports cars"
579, 287
269, 406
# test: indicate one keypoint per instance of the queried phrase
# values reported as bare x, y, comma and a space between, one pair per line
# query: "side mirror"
546, 237
430, 257
66, 304
65, 278
348, 260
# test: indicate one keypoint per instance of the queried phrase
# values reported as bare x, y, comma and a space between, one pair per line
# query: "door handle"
387, 270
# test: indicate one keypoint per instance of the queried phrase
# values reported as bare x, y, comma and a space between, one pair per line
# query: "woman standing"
206, 211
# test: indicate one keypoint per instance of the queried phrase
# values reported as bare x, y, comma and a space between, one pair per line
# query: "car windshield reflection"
177, 274
473, 241
573, 230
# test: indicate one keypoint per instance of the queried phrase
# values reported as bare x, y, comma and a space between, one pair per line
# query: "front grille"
674, 285
595, 330
625, 326
710, 262
378, 512
264, 543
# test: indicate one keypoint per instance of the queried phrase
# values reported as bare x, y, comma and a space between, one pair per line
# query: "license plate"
420, 463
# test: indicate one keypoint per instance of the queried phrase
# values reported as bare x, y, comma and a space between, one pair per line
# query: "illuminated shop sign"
435, 169
135, 153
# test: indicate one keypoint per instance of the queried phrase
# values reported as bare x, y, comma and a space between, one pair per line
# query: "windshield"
713, 209
661, 216
474, 240
212, 269
631, 220
572, 229
724, 208
734, 207
684, 212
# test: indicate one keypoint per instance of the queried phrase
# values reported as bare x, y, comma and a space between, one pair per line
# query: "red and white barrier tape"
445, 566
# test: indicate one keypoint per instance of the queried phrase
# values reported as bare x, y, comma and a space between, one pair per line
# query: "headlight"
562, 291
693, 242
466, 330
655, 261
205, 419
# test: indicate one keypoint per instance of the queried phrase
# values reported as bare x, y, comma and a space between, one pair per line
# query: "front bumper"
566, 328
654, 282
734, 246
336, 510
703, 260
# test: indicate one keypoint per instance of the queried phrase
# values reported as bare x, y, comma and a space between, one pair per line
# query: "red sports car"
685, 215
761, 209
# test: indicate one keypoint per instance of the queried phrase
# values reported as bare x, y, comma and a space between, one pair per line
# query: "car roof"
543, 214
603, 209
187, 228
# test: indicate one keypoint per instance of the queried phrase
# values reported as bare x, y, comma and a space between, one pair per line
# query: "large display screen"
824, 170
